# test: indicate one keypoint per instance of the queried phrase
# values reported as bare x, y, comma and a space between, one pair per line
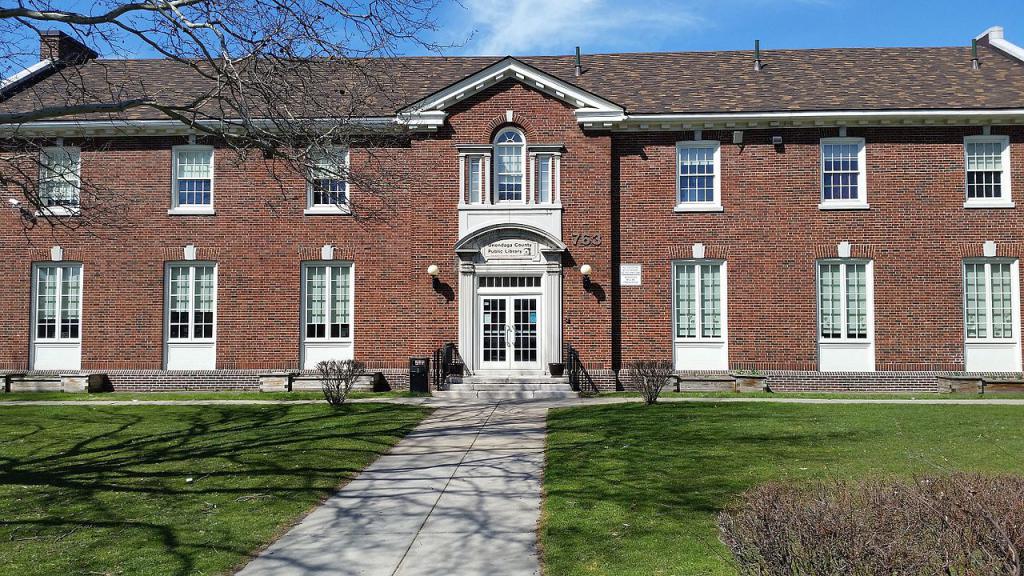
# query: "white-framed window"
699, 294
509, 166
989, 300
843, 174
845, 300
327, 190
474, 179
327, 301
57, 306
546, 168
60, 179
987, 172
698, 176
191, 302
192, 177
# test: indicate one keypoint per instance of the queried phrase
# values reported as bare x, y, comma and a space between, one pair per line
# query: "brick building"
839, 219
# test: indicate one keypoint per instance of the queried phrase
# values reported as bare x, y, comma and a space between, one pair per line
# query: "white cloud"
522, 27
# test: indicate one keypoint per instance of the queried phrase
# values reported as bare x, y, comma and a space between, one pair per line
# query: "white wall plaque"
630, 274
510, 250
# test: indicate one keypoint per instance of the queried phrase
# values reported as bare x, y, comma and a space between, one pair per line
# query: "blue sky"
521, 27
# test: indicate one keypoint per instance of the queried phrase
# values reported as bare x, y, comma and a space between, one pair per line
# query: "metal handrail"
579, 378
447, 362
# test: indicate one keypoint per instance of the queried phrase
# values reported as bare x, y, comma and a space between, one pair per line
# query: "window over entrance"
510, 159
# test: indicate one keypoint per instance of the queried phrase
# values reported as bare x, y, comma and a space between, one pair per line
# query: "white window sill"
845, 342
510, 206
700, 341
58, 211
996, 341
988, 204
704, 207
348, 340
833, 205
56, 341
203, 211
333, 210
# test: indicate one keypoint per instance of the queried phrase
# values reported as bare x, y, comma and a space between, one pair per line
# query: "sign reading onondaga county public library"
510, 250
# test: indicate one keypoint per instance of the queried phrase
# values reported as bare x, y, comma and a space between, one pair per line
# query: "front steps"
507, 388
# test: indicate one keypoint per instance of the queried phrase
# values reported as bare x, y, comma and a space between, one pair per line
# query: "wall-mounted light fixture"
434, 272
586, 270
24, 212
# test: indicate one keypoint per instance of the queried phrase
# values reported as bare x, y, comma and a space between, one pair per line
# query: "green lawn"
177, 490
824, 395
634, 490
128, 396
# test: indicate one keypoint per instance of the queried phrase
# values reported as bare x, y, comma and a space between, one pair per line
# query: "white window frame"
466, 160
524, 168
1014, 298
190, 209
715, 205
861, 203
75, 178
191, 265
846, 354
327, 299
61, 266
869, 280
1006, 198
554, 160
699, 302
329, 209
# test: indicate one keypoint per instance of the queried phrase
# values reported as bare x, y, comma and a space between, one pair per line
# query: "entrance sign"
630, 275
510, 250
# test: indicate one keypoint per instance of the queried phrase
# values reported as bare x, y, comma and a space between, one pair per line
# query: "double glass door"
509, 332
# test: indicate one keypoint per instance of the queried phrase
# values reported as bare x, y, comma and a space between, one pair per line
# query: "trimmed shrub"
337, 378
958, 525
650, 377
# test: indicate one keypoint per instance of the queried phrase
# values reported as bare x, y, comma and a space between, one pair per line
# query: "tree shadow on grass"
172, 490
659, 475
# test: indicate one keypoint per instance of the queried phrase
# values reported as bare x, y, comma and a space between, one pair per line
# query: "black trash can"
419, 374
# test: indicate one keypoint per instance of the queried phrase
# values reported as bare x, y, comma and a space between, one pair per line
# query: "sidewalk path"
458, 496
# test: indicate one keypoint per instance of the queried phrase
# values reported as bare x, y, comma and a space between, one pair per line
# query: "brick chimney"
56, 45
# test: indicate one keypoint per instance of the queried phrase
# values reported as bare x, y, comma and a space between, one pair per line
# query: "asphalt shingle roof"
673, 82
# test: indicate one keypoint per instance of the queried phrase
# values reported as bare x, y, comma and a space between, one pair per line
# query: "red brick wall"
771, 232
259, 237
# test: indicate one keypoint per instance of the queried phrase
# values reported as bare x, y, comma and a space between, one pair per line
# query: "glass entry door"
509, 333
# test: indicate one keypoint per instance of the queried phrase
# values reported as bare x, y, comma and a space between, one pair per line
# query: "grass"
172, 490
634, 490
824, 395
129, 396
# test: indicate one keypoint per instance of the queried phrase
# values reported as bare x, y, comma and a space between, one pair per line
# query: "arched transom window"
510, 160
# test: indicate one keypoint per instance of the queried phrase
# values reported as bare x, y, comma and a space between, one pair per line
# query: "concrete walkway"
460, 495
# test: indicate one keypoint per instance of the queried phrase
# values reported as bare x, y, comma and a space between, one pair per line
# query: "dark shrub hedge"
959, 525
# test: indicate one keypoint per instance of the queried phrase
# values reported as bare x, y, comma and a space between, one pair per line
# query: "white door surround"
510, 300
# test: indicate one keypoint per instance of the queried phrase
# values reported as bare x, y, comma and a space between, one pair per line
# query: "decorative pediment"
509, 242
429, 113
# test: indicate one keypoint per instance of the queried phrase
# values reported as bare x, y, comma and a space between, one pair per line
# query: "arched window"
510, 160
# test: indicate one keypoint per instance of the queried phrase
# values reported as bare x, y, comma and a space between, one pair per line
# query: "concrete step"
504, 386
540, 379
506, 395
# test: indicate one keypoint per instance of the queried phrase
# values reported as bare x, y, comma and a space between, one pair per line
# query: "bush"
960, 525
337, 378
650, 377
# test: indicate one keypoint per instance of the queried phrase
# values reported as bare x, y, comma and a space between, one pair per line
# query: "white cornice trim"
743, 120
25, 74
996, 40
510, 68
150, 127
